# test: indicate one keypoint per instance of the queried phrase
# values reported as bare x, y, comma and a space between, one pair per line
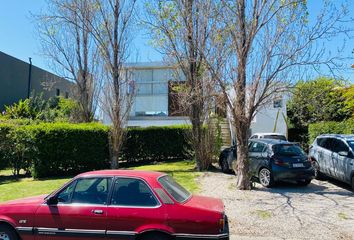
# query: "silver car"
333, 155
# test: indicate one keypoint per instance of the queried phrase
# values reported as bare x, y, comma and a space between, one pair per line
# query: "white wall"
265, 119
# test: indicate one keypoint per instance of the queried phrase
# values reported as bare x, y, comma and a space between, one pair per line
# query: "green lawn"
182, 171
12, 189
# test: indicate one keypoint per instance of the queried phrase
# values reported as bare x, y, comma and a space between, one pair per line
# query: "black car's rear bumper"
279, 173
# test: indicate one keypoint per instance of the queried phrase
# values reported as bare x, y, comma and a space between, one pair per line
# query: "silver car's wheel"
316, 168
265, 177
4, 236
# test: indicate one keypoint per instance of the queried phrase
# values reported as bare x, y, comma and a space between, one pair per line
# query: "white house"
154, 104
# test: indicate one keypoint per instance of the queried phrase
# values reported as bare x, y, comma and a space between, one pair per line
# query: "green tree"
37, 108
348, 94
321, 99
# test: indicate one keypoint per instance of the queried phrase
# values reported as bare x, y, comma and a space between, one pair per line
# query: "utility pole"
29, 78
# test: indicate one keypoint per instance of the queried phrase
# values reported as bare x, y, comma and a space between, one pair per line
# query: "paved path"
323, 210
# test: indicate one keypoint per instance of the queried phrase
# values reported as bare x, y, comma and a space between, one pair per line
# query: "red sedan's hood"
206, 203
26, 201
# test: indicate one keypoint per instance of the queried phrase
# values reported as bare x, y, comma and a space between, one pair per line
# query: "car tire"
265, 177
155, 236
316, 167
7, 233
304, 182
352, 183
224, 165
223, 162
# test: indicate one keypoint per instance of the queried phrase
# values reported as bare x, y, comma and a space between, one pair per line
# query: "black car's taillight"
280, 162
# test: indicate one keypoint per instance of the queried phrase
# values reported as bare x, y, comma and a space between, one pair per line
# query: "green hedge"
157, 143
60, 149
345, 127
68, 149
5, 128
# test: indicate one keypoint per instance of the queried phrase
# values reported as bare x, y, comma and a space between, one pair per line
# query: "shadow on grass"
12, 179
132, 164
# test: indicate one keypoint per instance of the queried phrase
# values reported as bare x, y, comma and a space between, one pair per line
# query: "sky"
18, 35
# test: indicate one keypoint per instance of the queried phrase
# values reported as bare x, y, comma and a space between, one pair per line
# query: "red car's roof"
127, 173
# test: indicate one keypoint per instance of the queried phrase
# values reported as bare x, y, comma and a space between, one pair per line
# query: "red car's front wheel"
7, 233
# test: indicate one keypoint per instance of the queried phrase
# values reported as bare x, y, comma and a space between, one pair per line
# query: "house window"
66, 95
277, 103
58, 92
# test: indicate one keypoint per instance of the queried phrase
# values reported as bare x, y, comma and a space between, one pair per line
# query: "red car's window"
179, 193
86, 190
133, 192
65, 195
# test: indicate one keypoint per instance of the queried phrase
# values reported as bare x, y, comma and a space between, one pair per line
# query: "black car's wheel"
316, 167
224, 166
265, 177
7, 233
304, 182
223, 162
353, 183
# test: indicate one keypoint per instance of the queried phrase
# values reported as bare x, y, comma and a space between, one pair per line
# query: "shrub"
68, 149
156, 143
40, 109
4, 130
345, 127
62, 149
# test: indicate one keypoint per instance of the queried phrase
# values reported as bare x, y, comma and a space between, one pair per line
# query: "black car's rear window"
179, 193
288, 150
279, 137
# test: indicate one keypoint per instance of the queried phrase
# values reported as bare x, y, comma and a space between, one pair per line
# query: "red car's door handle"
97, 211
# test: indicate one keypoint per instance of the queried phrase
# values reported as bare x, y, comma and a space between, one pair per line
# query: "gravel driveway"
323, 210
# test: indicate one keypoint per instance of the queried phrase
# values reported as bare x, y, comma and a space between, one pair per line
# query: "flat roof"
149, 65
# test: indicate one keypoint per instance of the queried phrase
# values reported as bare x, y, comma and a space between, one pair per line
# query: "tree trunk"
242, 163
114, 161
115, 146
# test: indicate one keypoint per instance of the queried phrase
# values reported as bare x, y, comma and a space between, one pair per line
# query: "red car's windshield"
179, 193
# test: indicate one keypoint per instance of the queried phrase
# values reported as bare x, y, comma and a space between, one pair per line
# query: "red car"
115, 204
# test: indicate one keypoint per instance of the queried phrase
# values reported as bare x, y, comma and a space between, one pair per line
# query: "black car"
274, 160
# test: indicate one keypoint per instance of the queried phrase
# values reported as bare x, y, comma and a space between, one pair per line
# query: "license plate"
296, 165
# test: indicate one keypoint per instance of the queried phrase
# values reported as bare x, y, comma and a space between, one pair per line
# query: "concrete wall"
266, 119
14, 75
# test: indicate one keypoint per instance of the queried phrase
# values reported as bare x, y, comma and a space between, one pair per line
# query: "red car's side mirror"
52, 200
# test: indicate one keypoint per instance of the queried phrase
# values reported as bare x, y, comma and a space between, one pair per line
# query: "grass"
25, 187
182, 171
10, 188
342, 216
263, 214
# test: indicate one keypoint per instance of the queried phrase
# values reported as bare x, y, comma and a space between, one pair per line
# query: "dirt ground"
322, 210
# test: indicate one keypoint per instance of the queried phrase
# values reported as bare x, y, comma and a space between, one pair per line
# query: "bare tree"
181, 31
66, 39
261, 47
112, 29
